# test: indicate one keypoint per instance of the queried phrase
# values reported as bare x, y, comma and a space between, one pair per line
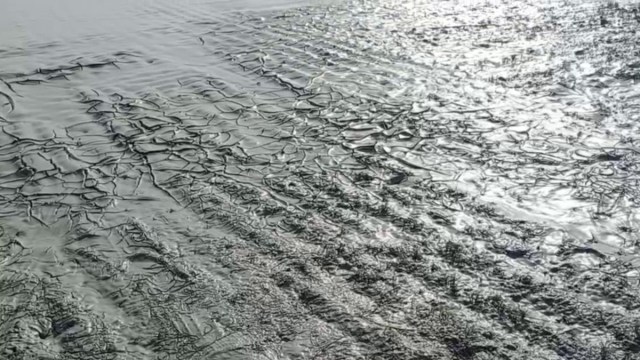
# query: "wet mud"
344, 180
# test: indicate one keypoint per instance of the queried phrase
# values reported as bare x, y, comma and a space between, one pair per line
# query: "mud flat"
319, 180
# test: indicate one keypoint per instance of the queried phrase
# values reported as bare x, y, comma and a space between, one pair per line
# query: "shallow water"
319, 180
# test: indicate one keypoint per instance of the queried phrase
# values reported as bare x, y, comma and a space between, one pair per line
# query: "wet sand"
319, 180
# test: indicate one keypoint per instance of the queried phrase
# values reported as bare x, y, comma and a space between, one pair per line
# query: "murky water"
319, 180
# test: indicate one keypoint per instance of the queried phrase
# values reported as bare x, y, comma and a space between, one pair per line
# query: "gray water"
319, 179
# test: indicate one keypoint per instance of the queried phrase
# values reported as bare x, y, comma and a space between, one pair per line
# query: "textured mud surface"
347, 180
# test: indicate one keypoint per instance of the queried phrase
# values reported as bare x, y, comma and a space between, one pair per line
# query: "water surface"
319, 179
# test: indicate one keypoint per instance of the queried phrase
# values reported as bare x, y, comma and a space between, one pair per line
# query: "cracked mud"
323, 180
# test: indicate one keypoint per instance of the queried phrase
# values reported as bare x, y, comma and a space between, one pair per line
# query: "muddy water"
319, 180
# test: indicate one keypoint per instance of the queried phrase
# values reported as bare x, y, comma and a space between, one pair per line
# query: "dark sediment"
356, 181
